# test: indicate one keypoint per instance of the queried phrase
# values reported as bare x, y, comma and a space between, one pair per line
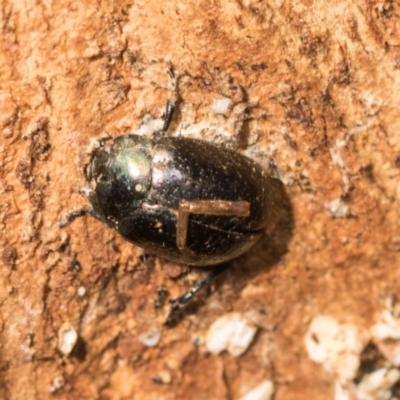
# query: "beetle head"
120, 177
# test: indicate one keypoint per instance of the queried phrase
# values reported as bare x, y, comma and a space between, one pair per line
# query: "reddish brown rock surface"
314, 95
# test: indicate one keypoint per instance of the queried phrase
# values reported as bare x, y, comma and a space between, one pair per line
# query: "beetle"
182, 199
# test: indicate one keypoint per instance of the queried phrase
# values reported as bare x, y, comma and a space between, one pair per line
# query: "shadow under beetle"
183, 199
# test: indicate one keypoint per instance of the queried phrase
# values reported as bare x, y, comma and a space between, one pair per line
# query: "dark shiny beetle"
183, 199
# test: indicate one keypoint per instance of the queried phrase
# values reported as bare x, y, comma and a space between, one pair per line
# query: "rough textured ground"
314, 95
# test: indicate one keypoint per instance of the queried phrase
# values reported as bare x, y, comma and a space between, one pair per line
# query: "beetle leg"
180, 302
88, 209
205, 207
169, 113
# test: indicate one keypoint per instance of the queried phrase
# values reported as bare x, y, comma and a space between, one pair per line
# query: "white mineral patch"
338, 208
336, 346
57, 383
378, 384
221, 105
388, 327
386, 334
151, 337
81, 291
67, 338
231, 332
264, 391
